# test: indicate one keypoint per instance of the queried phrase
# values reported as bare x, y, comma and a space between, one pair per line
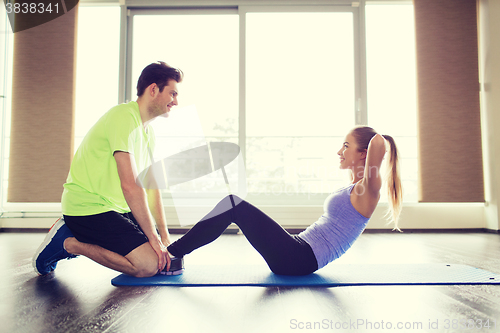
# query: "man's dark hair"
159, 73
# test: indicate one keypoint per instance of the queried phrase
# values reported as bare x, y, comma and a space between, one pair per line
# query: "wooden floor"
78, 296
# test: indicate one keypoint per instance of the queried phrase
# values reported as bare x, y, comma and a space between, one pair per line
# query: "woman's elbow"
377, 140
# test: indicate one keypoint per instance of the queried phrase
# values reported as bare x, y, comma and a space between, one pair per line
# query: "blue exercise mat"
331, 276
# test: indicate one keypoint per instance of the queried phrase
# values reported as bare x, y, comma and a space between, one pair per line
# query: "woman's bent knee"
235, 199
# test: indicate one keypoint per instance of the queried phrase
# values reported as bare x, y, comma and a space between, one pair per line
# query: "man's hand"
166, 242
162, 253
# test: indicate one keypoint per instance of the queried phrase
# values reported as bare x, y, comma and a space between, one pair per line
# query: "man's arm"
137, 201
156, 208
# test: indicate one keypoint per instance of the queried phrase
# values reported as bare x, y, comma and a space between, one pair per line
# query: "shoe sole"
179, 272
55, 227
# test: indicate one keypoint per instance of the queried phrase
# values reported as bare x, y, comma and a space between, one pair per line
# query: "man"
107, 216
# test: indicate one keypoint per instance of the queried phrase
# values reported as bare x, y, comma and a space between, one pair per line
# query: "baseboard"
491, 231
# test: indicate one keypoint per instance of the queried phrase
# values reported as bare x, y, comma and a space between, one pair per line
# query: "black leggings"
285, 254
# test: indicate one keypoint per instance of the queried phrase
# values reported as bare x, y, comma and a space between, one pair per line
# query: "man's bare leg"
140, 262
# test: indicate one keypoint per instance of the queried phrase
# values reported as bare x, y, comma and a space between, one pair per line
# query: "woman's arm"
375, 155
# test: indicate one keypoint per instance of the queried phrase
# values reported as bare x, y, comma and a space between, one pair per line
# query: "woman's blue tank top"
337, 229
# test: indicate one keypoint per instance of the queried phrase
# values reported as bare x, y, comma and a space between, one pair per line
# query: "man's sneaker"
52, 250
176, 267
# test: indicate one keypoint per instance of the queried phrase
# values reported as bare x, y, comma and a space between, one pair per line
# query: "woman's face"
349, 155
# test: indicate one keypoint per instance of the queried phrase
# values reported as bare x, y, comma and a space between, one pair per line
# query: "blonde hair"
363, 135
393, 181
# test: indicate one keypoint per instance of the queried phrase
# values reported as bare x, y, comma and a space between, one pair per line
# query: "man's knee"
146, 270
144, 261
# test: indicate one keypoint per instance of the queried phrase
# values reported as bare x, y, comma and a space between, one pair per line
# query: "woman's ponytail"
394, 187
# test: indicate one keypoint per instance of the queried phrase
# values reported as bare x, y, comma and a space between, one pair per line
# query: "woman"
347, 212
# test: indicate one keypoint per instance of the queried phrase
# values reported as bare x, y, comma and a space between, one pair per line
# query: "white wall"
489, 64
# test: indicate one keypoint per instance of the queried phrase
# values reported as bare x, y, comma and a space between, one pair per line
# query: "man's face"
165, 100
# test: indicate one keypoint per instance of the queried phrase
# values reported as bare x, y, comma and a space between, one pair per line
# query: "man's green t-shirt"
93, 185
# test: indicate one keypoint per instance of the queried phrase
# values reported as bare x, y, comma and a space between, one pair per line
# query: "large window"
281, 82
391, 78
205, 47
284, 83
97, 66
300, 93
